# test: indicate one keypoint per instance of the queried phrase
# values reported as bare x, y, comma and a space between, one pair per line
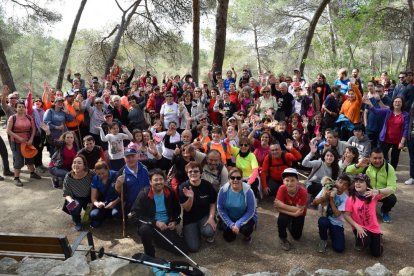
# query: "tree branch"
119, 6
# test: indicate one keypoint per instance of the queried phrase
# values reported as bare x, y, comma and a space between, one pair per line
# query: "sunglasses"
266, 92
193, 171
122, 83
244, 145
168, 96
99, 103
235, 177
38, 101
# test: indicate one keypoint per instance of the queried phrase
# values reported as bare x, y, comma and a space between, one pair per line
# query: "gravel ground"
36, 208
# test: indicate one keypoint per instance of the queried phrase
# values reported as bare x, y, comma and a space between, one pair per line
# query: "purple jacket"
387, 112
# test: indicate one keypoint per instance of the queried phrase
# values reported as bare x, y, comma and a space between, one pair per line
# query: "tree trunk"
126, 19
410, 54
332, 37
5, 72
196, 40
256, 48
310, 33
221, 28
31, 66
401, 57
71, 38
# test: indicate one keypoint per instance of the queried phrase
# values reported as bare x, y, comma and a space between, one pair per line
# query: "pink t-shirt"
68, 156
22, 127
364, 214
394, 129
260, 151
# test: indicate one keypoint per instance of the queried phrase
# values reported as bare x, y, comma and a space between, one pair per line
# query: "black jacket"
144, 206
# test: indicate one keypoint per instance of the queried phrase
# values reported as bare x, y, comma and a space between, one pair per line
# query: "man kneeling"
157, 208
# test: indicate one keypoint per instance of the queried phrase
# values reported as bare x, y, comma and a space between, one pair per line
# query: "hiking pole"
123, 210
170, 242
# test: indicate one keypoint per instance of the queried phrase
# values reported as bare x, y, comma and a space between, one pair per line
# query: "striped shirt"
77, 188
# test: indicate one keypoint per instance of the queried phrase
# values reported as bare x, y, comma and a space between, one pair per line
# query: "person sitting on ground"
360, 213
351, 156
382, 178
156, 210
104, 198
236, 206
290, 202
77, 189
213, 169
198, 200
92, 152
273, 166
332, 220
360, 141
333, 142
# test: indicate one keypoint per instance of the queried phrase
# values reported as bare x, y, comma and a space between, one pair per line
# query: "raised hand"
188, 192
289, 144
6, 90
313, 148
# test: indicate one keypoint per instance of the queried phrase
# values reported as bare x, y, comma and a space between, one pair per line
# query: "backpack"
283, 160
224, 145
386, 168
14, 118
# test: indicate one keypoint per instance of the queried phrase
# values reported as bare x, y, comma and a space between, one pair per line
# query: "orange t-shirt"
225, 155
79, 118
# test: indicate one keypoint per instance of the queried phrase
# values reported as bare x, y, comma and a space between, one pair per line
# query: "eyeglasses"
122, 83
99, 103
235, 177
203, 119
38, 101
267, 91
378, 91
244, 145
13, 98
193, 171
168, 96
401, 77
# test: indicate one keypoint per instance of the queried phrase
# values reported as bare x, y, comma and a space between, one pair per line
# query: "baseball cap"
130, 151
156, 87
231, 118
69, 93
290, 172
77, 74
57, 99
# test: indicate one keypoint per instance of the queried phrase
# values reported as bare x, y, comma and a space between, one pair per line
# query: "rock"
106, 266
266, 273
328, 272
133, 270
377, 270
298, 271
37, 267
8, 265
406, 271
75, 265
359, 272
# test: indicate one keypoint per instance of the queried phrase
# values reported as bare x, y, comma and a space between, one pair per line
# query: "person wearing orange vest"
74, 108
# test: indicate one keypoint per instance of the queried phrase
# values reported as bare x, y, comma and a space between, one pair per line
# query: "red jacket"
152, 102
278, 166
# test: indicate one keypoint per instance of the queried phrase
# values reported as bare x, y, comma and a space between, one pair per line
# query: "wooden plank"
30, 239
20, 255
40, 248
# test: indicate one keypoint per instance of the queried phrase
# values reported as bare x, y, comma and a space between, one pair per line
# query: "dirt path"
36, 208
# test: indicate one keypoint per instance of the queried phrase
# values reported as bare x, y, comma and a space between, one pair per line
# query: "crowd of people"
149, 150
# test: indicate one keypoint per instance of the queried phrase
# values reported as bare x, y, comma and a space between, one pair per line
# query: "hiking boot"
17, 182
55, 182
8, 173
322, 246
78, 226
386, 217
1, 178
358, 245
35, 175
285, 244
210, 239
247, 239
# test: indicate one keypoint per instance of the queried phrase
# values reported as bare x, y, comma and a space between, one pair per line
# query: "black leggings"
372, 240
246, 230
4, 156
395, 153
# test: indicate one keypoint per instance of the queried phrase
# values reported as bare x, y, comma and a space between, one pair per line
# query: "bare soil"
36, 208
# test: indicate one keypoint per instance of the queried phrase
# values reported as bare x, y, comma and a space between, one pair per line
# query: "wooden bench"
19, 246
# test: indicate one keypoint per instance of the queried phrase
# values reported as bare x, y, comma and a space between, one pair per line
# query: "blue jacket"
250, 203
134, 184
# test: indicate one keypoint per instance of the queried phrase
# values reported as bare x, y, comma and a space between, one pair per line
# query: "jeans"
388, 203
410, 145
395, 153
148, 235
98, 215
336, 232
372, 240
76, 213
59, 173
193, 232
294, 224
246, 230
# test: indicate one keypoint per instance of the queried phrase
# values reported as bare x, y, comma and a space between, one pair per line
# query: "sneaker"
210, 239
1, 178
8, 173
17, 182
35, 175
285, 244
78, 226
358, 245
55, 182
247, 239
322, 246
386, 217
409, 181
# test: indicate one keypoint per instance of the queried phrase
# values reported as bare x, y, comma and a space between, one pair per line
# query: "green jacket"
378, 176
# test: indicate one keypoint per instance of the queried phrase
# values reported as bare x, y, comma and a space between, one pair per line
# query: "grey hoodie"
363, 145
